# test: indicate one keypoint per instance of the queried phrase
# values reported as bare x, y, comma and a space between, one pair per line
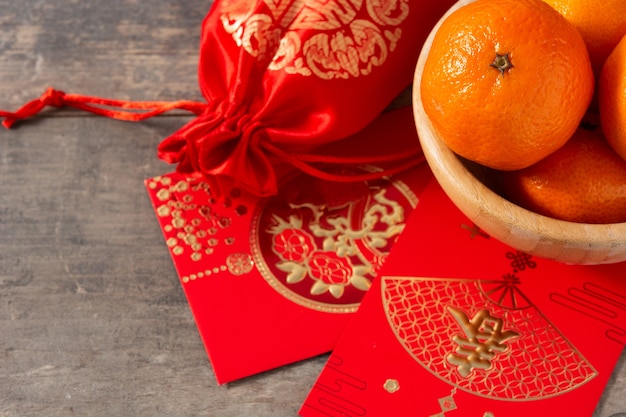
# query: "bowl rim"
468, 191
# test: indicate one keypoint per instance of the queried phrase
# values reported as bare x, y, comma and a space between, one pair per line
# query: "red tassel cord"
114, 109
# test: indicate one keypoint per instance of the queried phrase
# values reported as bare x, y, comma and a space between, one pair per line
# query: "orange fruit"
612, 98
601, 23
506, 82
584, 181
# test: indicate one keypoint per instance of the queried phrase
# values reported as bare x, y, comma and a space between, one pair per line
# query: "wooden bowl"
568, 242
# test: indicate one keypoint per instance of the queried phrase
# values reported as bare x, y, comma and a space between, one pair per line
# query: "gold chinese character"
484, 338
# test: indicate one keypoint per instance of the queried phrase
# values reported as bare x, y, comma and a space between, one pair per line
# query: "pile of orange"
536, 89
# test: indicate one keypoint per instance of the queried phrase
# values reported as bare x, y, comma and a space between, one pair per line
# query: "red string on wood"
132, 111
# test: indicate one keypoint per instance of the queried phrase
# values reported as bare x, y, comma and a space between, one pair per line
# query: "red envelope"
459, 324
274, 280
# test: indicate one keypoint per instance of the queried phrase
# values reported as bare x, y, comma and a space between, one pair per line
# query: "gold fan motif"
484, 337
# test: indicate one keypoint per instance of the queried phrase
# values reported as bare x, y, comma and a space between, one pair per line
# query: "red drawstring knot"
50, 98
53, 97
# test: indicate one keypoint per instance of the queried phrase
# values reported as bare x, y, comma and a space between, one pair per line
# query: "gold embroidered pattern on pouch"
349, 37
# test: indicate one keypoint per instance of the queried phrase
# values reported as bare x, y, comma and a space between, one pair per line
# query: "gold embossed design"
324, 257
446, 404
239, 263
391, 386
540, 363
195, 227
323, 38
483, 337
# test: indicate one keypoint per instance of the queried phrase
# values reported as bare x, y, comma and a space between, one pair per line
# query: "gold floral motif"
324, 256
239, 263
339, 262
391, 386
325, 38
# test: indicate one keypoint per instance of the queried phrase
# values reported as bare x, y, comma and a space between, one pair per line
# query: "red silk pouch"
281, 78
295, 75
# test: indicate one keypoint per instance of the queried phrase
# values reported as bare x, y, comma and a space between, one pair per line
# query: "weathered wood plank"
121, 48
92, 316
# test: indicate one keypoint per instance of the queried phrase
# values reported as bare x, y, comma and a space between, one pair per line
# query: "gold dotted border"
204, 274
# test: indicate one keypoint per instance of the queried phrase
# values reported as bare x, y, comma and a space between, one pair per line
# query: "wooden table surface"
93, 320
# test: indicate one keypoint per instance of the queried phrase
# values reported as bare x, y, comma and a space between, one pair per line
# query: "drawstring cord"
405, 160
119, 109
